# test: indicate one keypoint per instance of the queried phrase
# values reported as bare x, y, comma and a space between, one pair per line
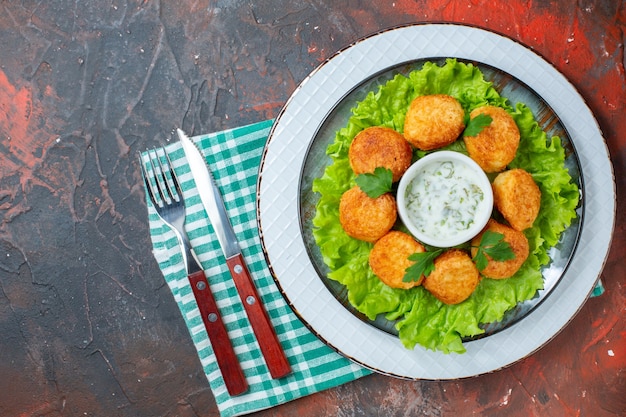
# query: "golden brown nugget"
389, 258
517, 197
366, 218
379, 146
454, 278
433, 121
496, 145
519, 245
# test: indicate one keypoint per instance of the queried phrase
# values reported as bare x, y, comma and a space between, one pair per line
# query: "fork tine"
179, 191
167, 175
159, 177
146, 179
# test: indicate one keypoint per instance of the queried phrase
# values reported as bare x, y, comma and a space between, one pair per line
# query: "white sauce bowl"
444, 199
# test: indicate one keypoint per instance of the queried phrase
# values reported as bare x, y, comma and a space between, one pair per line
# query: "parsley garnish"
424, 265
477, 124
493, 245
376, 184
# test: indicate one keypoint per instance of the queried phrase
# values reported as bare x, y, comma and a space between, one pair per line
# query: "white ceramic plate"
313, 109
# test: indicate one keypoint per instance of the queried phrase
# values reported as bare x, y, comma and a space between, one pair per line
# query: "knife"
213, 203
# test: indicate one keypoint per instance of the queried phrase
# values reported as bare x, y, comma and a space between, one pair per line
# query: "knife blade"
213, 203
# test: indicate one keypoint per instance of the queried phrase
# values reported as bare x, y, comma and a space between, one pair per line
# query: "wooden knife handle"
226, 358
273, 353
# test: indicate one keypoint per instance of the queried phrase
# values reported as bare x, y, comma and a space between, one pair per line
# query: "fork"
167, 198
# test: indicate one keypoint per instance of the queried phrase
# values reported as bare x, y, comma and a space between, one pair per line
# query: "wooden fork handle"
226, 358
271, 349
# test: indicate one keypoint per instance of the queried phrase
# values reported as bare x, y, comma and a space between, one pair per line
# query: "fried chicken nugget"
433, 121
454, 278
517, 197
366, 218
389, 258
519, 245
379, 146
496, 145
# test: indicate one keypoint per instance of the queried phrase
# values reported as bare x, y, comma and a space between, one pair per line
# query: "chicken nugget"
517, 197
366, 218
433, 121
519, 244
454, 278
379, 146
389, 258
495, 146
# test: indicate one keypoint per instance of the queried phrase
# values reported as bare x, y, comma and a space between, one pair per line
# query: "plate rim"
275, 130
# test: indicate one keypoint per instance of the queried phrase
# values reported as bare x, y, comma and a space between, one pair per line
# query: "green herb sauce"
444, 199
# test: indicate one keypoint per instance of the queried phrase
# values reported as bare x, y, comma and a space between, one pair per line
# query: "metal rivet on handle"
200, 285
250, 299
238, 269
212, 317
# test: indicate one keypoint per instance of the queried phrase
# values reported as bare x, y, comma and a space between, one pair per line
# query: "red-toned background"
87, 325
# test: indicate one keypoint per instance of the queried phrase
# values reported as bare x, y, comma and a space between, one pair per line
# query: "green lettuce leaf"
421, 319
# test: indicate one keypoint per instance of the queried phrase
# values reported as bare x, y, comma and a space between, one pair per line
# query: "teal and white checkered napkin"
234, 157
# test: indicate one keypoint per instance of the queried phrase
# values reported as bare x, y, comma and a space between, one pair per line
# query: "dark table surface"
87, 324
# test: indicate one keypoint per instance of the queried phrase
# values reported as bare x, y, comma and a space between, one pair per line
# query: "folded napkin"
234, 157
